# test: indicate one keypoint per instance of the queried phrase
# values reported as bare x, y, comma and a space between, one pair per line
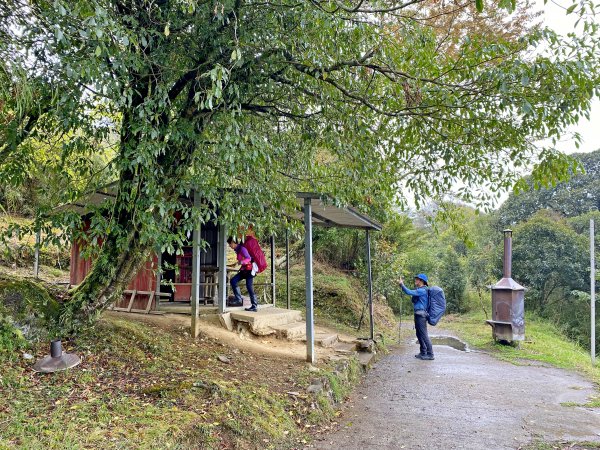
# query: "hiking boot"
252, 309
427, 358
420, 356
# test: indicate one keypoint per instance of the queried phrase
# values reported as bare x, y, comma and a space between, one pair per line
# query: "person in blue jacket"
420, 300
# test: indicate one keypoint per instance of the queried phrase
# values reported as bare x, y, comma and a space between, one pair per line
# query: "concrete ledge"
291, 331
345, 348
326, 339
365, 359
261, 322
225, 320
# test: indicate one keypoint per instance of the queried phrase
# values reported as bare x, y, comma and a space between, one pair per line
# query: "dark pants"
244, 275
422, 335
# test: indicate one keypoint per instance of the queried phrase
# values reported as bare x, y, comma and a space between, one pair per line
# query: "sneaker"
252, 309
420, 356
427, 358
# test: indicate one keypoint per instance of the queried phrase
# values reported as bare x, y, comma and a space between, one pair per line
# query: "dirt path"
266, 345
462, 400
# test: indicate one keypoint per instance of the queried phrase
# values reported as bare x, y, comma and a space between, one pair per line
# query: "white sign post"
593, 291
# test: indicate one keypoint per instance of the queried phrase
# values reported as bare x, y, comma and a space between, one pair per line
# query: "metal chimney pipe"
507, 254
56, 349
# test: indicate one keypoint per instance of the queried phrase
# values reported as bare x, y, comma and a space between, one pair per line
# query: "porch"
195, 280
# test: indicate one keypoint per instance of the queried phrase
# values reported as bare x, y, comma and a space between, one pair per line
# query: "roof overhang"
93, 201
326, 214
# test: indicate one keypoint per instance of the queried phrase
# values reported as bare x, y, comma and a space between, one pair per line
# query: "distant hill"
578, 196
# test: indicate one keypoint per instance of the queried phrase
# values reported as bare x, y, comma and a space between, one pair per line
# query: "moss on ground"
27, 313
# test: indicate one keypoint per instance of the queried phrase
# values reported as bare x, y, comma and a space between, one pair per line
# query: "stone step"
291, 331
261, 322
326, 339
345, 348
365, 359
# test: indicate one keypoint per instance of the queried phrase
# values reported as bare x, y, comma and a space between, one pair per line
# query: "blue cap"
422, 277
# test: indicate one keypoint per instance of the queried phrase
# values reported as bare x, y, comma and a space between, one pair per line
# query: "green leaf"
479, 5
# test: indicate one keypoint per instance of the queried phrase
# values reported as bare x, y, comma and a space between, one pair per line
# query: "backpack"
436, 304
256, 253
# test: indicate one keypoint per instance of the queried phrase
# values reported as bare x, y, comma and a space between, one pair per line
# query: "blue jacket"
419, 297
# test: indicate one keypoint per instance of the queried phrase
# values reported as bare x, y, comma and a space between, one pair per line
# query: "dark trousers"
244, 275
422, 335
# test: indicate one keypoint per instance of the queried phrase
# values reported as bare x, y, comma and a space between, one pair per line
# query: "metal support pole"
308, 267
195, 300
593, 291
273, 268
370, 284
222, 262
36, 263
158, 278
287, 269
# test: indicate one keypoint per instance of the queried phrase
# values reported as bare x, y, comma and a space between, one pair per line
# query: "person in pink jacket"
247, 272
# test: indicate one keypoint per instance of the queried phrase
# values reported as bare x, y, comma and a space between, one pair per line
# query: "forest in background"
461, 250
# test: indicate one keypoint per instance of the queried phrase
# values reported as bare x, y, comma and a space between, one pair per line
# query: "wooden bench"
147, 310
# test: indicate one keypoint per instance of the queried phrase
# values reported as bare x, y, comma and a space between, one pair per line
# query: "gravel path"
462, 400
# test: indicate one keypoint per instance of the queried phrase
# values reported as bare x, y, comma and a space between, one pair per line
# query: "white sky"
554, 17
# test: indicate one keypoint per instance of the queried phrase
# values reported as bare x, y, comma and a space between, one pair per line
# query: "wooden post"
308, 267
36, 263
195, 300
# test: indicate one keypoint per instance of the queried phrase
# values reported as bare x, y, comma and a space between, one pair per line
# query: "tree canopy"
579, 195
247, 101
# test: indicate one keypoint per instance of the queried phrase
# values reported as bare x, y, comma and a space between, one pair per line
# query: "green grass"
141, 386
339, 300
543, 343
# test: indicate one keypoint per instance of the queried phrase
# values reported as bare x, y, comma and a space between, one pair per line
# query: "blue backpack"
436, 304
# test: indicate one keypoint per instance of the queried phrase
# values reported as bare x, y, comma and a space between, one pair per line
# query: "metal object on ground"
56, 360
508, 301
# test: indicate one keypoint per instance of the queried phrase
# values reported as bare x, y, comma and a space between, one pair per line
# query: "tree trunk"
111, 272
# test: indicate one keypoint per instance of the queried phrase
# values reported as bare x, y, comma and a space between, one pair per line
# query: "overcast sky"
554, 17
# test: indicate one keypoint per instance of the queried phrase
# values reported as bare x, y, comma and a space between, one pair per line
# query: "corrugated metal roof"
324, 212
329, 215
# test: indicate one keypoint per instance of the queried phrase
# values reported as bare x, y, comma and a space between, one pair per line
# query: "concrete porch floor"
266, 317
185, 308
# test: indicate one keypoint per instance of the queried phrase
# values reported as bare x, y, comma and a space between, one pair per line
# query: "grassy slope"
339, 300
544, 343
140, 386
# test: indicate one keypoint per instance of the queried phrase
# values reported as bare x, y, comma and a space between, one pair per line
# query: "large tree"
246, 101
